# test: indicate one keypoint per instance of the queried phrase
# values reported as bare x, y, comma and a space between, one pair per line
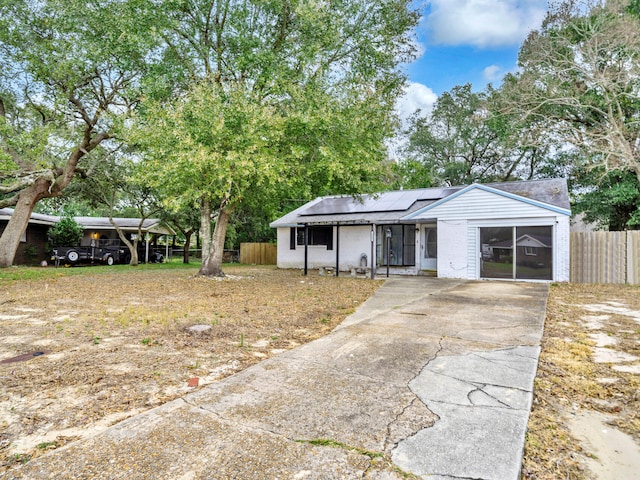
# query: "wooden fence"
258, 253
605, 257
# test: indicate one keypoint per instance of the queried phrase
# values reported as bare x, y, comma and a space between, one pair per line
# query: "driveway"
429, 377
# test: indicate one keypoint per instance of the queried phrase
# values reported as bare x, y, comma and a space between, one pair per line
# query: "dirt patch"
587, 388
119, 343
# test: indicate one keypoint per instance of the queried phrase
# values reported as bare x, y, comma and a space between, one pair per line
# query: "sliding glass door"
522, 253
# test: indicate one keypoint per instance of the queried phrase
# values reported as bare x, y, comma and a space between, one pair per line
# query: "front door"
429, 248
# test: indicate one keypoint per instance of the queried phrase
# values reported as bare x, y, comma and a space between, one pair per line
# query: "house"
34, 244
511, 230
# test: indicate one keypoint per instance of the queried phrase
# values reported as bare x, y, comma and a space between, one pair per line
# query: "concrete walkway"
430, 377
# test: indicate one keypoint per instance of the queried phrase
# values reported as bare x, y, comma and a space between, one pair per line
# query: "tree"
255, 97
610, 199
184, 218
113, 185
212, 147
579, 77
67, 232
69, 74
464, 141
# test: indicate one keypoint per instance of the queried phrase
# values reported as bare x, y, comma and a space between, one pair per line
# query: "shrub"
67, 232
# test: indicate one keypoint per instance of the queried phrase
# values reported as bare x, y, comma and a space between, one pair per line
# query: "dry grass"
569, 379
117, 342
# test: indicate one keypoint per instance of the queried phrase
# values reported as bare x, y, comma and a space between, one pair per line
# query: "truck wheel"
72, 256
110, 260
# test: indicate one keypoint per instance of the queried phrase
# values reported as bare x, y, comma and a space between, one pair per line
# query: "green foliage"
209, 143
272, 101
609, 199
67, 232
464, 140
30, 253
578, 82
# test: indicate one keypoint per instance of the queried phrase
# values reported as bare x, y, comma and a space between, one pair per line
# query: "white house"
466, 232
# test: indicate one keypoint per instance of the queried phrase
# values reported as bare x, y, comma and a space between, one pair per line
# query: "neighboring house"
33, 243
464, 232
95, 229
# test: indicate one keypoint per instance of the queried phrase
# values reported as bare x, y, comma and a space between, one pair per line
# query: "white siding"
479, 204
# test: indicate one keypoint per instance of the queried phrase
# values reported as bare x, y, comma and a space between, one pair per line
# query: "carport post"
373, 241
337, 248
388, 235
306, 250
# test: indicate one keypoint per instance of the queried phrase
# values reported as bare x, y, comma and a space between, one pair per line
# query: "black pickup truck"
106, 252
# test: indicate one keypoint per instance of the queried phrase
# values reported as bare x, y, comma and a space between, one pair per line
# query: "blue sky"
466, 41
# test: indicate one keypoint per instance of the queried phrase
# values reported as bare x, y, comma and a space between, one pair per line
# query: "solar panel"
383, 202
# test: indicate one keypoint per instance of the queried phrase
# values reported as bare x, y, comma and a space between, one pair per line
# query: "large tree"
255, 97
69, 72
580, 78
463, 141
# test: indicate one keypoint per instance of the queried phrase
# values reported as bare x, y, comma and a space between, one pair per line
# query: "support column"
337, 249
306, 249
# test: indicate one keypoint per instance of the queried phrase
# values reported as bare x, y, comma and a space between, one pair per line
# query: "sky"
466, 41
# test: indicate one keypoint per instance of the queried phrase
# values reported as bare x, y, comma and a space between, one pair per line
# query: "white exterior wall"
452, 245
460, 219
354, 241
562, 241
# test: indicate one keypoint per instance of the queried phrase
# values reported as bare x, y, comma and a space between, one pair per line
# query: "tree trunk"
133, 247
10, 239
213, 245
187, 245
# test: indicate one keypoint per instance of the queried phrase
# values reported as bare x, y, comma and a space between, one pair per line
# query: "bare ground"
585, 420
117, 343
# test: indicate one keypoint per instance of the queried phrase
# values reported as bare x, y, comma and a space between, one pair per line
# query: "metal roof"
150, 225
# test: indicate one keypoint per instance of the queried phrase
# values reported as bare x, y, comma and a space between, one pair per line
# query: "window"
318, 236
523, 253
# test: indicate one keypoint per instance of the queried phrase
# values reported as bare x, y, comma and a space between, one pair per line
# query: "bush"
67, 232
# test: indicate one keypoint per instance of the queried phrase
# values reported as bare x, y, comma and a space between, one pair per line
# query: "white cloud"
492, 73
483, 23
416, 96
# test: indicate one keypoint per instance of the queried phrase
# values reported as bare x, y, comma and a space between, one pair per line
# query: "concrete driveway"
429, 377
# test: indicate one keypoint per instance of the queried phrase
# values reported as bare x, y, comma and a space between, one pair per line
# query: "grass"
22, 273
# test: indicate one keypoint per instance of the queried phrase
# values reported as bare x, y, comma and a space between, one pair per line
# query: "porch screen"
524, 253
402, 251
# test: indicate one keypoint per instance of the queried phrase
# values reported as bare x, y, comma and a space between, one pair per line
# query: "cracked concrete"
433, 374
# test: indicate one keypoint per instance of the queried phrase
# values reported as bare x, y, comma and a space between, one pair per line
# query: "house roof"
538, 240
150, 225
394, 206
